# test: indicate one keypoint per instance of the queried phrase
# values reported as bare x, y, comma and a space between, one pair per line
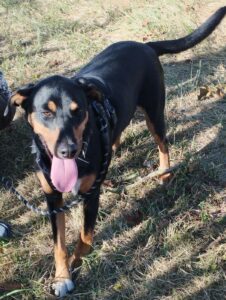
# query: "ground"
151, 241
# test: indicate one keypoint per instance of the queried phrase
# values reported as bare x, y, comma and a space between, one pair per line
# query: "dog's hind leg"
157, 129
62, 282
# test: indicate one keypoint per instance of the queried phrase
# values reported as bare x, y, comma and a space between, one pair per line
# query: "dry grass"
152, 242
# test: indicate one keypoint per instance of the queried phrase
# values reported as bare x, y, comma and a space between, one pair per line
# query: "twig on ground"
154, 174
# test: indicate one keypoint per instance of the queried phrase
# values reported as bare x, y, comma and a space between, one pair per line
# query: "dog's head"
57, 110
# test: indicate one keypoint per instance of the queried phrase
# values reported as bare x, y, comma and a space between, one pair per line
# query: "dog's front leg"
90, 210
62, 283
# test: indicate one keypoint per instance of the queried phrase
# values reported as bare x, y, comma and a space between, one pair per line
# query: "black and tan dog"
63, 120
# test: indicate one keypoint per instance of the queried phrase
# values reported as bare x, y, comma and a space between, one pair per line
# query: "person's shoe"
7, 111
5, 230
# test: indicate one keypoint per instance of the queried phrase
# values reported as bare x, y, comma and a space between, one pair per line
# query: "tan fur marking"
45, 186
116, 143
49, 136
60, 251
73, 106
82, 249
87, 182
164, 162
84, 243
17, 99
52, 106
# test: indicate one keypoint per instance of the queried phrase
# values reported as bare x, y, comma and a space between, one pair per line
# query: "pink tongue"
64, 174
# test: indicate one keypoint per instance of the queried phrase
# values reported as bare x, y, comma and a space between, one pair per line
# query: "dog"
77, 120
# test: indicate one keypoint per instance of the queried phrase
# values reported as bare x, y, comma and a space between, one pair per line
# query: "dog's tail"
182, 44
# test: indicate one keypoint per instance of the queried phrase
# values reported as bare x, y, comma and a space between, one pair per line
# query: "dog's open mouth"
64, 174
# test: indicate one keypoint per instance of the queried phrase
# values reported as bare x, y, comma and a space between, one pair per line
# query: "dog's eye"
47, 114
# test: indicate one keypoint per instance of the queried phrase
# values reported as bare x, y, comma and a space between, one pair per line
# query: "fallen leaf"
204, 92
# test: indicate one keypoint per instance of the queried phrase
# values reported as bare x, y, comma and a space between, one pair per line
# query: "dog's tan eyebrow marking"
73, 106
52, 106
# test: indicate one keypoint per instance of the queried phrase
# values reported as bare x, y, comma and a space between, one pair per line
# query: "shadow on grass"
15, 150
16, 164
178, 276
191, 73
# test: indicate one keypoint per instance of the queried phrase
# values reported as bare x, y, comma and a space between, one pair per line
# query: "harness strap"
104, 125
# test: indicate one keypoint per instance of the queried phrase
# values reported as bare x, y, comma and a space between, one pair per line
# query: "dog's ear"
91, 89
19, 97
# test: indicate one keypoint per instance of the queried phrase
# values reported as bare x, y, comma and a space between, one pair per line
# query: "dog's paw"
164, 179
74, 263
62, 287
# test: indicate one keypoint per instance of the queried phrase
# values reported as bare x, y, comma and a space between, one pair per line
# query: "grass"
151, 241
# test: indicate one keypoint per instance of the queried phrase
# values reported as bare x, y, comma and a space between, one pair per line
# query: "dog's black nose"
67, 150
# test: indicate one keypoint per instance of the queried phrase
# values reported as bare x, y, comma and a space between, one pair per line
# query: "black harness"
105, 117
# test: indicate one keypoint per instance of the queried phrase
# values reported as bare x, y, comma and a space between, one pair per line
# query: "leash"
8, 184
106, 119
